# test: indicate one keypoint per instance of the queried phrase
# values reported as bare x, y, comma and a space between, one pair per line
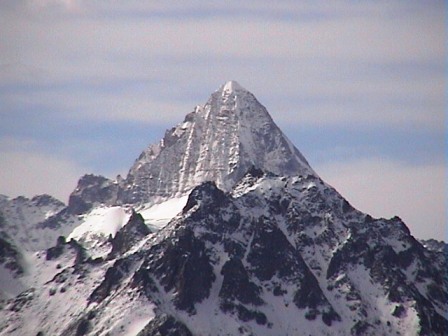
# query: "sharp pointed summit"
219, 141
232, 86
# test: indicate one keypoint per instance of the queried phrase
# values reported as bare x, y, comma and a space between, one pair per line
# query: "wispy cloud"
345, 59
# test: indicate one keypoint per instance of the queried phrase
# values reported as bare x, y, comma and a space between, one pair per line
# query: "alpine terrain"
221, 228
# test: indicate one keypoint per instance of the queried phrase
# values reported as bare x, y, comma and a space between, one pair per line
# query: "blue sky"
358, 86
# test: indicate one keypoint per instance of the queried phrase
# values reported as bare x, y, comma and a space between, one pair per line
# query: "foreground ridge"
275, 255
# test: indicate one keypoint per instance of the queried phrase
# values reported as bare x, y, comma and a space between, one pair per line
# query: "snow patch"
231, 86
100, 223
158, 215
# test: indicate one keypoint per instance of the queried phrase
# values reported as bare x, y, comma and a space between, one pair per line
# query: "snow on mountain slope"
216, 142
99, 224
275, 256
51, 297
27, 226
38, 268
158, 215
23, 219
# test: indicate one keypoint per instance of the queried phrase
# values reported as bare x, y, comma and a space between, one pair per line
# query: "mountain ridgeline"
221, 228
216, 142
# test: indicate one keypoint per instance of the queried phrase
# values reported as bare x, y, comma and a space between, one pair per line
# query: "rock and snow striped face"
218, 142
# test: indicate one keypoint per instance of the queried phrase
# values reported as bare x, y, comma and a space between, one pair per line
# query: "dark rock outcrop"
165, 325
134, 230
92, 190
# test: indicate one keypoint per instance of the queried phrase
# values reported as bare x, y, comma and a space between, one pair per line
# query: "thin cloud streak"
311, 58
397, 102
83, 38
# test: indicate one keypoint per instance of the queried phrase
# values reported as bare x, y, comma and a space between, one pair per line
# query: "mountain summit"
218, 141
231, 86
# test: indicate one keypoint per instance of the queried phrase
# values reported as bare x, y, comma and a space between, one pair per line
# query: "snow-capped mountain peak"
219, 141
232, 86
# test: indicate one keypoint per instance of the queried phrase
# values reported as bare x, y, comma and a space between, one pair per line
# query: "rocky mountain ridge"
22, 218
275, 255
219, 141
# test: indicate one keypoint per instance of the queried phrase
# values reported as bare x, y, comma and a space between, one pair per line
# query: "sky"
357, 86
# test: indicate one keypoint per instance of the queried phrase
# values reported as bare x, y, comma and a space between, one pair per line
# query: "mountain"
23, 220
435, 245
223, 228
217, 142
26, 227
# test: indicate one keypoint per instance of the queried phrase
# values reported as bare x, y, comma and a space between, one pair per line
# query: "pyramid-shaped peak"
220, 141
232, 86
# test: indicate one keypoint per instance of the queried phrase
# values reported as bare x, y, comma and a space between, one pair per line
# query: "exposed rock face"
33, 224
216, 142
435, 245
128, 235
165, 325
62, 246
91, 191
183, 267
10, 256
276, 247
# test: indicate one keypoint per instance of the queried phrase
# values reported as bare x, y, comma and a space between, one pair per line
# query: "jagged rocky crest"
134, 230
262, 246
33, 224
